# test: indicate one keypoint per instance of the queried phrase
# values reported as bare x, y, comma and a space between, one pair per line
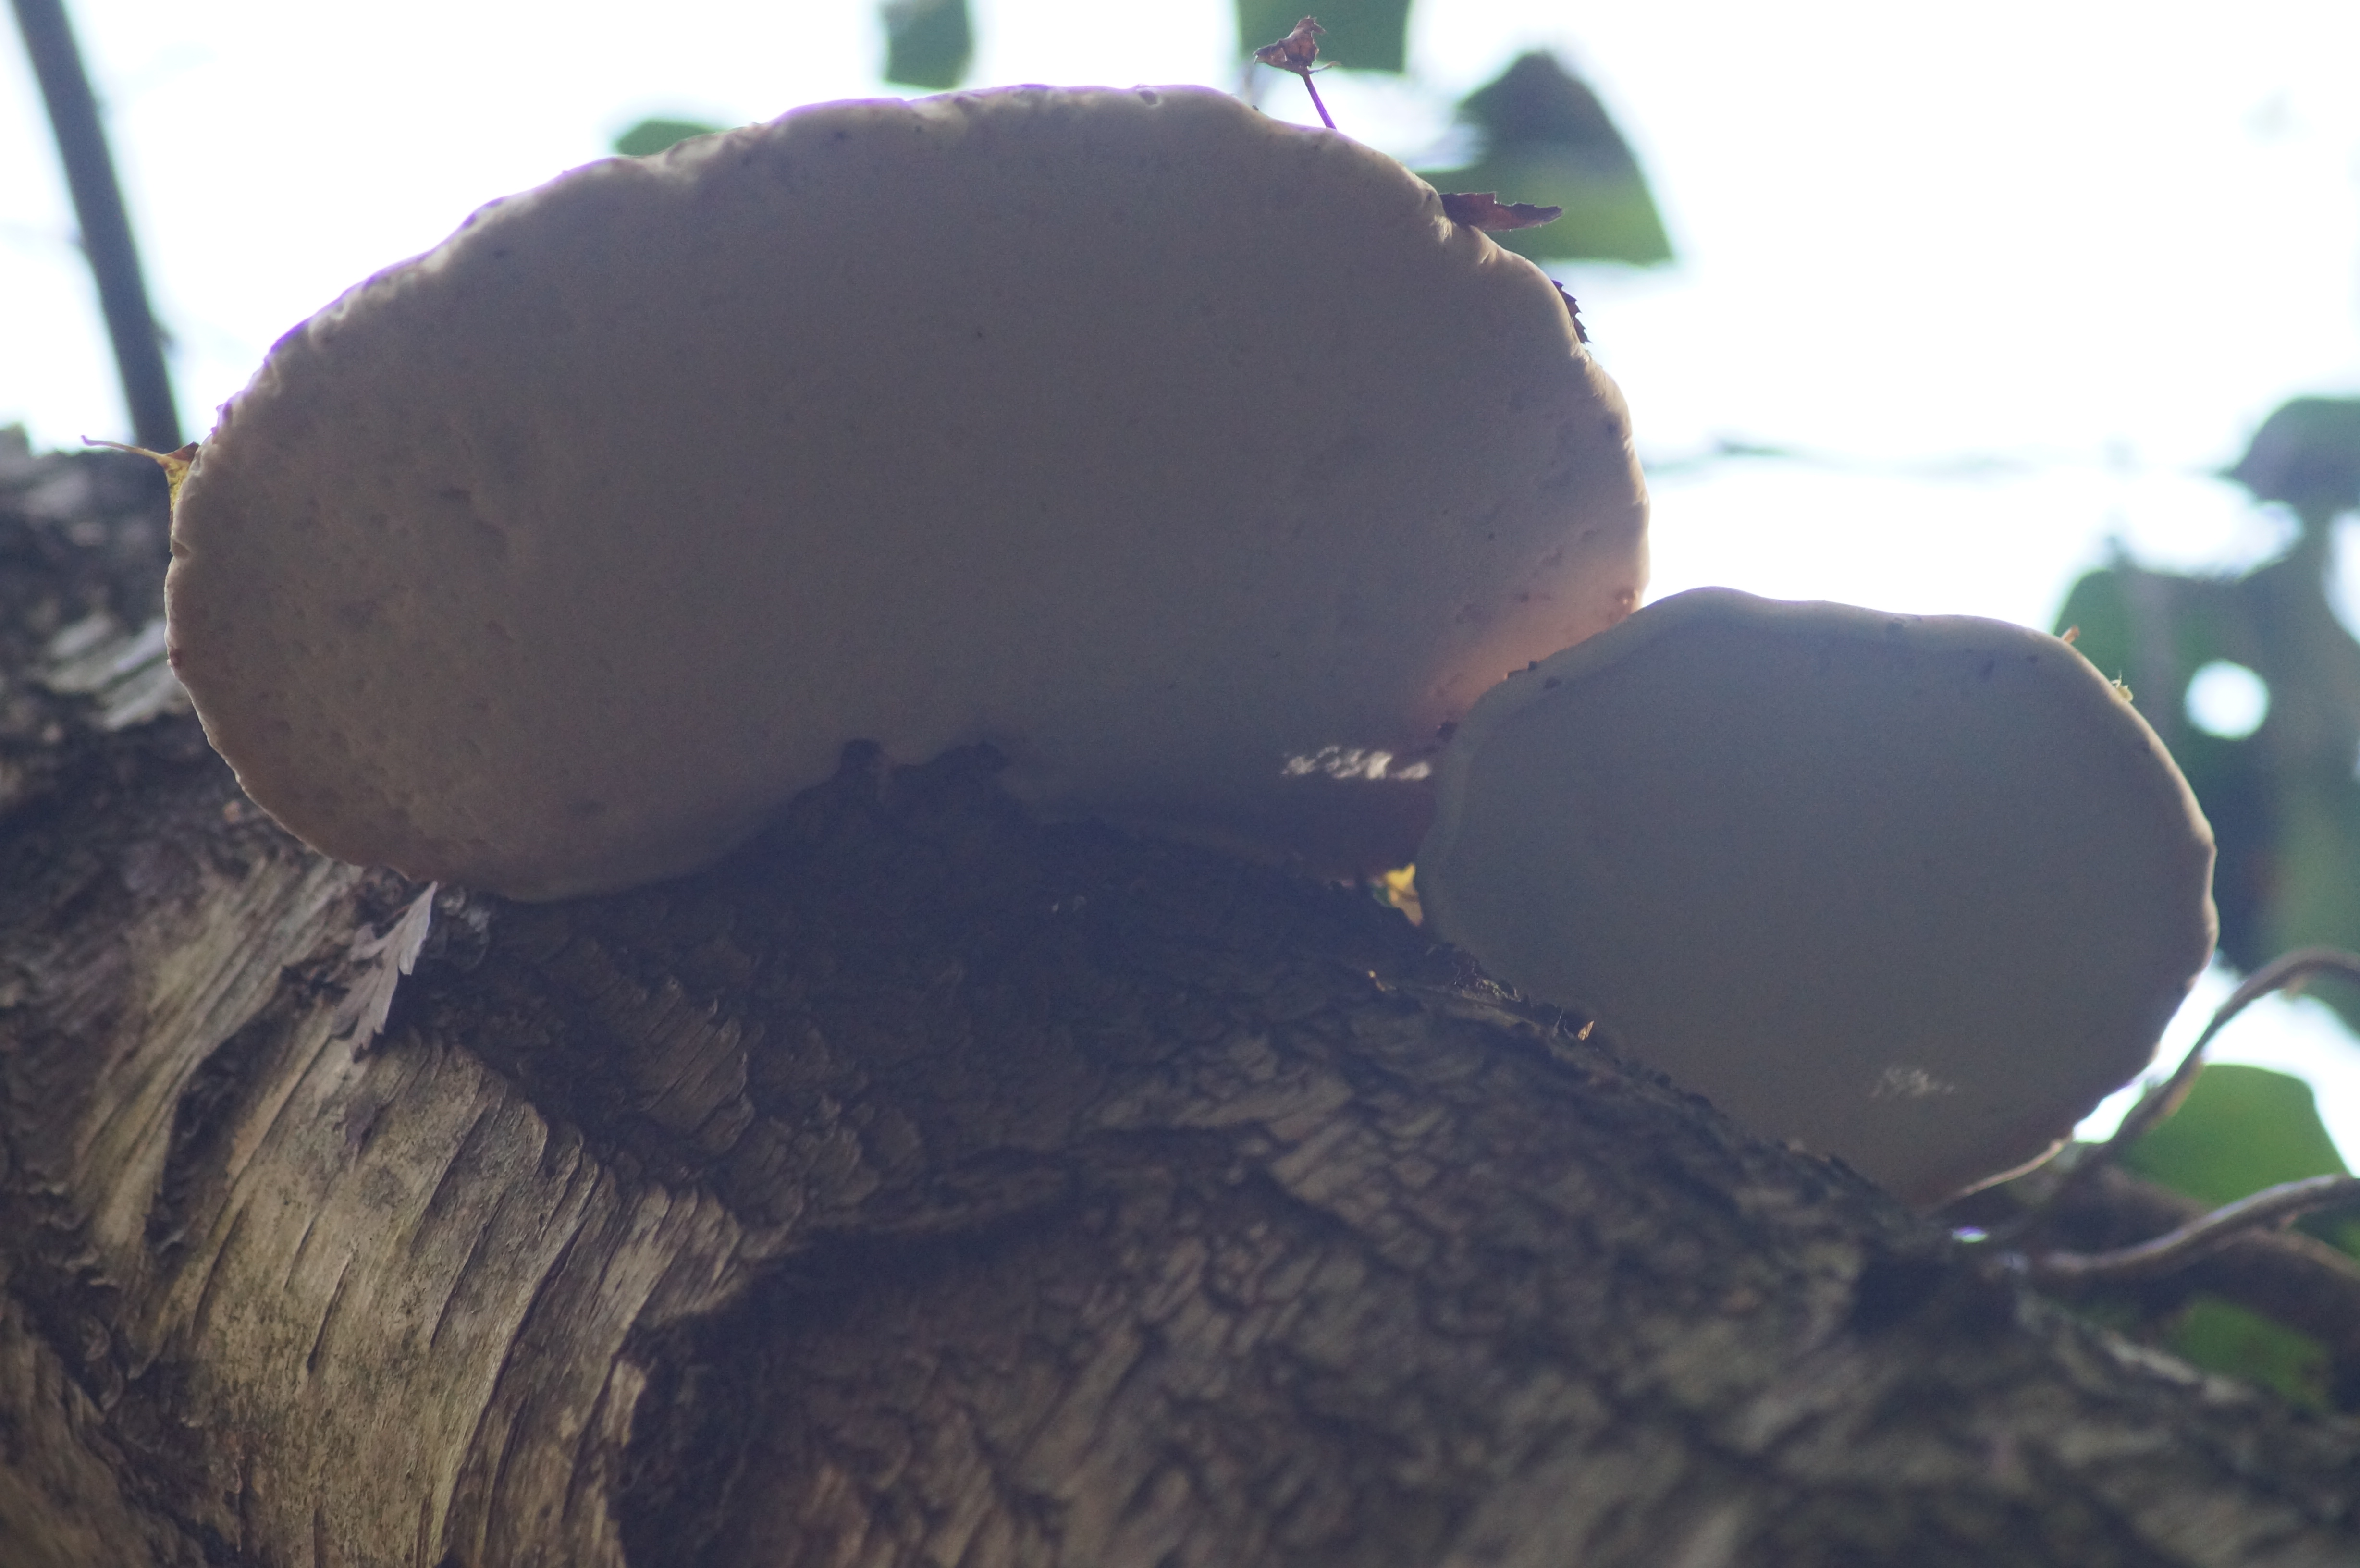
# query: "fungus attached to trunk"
1912, 891
1169, 449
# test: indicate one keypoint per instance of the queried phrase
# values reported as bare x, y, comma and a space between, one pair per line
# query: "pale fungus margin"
1917, 892
1156, 443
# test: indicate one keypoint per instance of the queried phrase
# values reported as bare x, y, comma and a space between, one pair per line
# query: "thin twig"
1313, 88
2279, 974
2198, 1238
2284, 1275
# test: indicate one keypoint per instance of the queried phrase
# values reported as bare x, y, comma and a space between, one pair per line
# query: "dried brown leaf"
1295, 51
382, 961
1573, 309
1484, 210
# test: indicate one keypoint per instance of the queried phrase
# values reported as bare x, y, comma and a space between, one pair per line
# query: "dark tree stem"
105, 228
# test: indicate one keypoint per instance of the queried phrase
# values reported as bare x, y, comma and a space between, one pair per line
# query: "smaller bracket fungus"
1156, 443
1912, 891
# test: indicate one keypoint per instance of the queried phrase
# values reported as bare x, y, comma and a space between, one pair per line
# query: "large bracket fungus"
1185, 456
1917, 892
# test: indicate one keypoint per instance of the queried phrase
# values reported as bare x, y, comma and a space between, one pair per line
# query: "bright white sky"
2016, 276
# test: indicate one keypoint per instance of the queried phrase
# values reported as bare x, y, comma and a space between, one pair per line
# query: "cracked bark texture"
928, 1186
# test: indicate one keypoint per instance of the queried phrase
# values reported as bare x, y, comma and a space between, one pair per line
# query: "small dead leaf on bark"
1484, 210
384, 960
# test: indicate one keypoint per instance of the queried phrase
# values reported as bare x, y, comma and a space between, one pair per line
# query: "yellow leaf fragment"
175, 463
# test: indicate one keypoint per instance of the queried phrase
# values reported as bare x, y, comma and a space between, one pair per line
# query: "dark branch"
105, 228
2199, 1238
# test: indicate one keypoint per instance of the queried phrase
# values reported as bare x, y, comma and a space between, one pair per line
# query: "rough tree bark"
927, 1186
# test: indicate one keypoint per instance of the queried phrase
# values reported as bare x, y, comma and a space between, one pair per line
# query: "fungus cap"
1164, 446
1914, 891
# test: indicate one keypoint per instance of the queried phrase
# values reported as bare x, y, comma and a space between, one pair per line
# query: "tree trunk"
928, 1186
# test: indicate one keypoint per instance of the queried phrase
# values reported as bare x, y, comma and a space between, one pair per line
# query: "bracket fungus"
1156, 443
1915, 892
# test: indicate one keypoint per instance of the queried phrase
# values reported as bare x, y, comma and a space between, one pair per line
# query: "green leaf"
2307, 454
1548, 140
2222, 1336
2315, 896
649, 137
2241, 1129
1362, 35
2153, 630
928, 43
2098, 612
